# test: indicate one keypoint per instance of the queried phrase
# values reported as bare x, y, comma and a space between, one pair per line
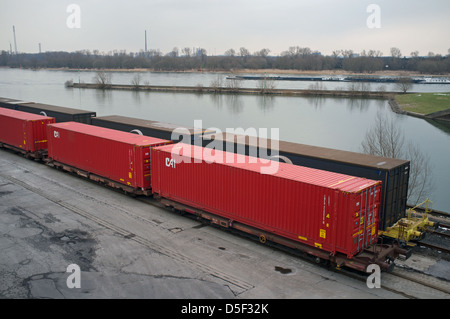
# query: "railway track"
443, 218
446, 235
419, 280
408, 283
435, 247
442, 246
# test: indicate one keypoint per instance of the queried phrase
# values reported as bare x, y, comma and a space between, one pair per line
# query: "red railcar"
116, 158
328, 211
24, 131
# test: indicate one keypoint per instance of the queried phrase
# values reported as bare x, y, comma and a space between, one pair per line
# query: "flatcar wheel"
322, 262
262, 239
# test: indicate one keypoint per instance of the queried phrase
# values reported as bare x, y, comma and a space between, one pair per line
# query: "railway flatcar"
394, 173
328, 215
61, 114
151, 128
118, 159
9, 103
333, 217
24, 132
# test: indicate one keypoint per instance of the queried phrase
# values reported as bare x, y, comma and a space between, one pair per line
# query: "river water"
339, 123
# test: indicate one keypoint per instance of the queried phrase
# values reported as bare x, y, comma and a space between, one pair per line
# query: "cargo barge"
373, 79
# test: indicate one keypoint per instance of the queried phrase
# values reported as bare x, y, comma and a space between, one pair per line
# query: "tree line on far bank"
295, 58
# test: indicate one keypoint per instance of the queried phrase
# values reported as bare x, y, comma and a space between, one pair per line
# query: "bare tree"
266, 85
136, 81
375, 53
217, 84
230, 52
297, 51
404, 84
233, 85
244, 52
263, 53
337, 53
103, 79
174, 53
420, 183
396, 53
186, 51
385, 139
347, 53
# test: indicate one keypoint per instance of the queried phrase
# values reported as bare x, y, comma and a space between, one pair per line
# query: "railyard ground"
127, 248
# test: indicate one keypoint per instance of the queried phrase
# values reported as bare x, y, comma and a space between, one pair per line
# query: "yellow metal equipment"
411, 227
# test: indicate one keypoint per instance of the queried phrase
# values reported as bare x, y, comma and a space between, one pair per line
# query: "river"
339, 123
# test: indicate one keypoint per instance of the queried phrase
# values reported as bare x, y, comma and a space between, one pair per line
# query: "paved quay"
126, 248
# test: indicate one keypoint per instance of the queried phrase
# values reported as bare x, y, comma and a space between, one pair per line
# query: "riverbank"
199, 89
424, 105
421, 105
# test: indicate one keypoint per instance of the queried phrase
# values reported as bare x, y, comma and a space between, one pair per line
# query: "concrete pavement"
126, 248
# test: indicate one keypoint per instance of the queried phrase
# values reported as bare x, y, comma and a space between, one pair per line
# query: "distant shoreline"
251, 71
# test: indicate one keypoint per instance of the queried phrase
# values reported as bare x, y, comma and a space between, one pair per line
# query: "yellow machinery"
411, 227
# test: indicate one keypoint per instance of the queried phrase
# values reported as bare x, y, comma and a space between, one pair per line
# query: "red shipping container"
23, 130
118, 156
331, 211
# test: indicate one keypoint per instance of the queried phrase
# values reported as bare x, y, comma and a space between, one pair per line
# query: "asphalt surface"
126, 248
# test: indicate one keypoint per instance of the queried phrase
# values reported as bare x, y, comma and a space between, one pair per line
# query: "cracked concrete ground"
126, 248
39, 239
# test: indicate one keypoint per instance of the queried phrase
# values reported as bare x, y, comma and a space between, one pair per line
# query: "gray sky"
218, 25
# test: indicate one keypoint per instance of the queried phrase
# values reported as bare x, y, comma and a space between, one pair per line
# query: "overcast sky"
218, 25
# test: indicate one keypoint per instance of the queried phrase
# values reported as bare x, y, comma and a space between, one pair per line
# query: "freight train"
332, 216
393, 172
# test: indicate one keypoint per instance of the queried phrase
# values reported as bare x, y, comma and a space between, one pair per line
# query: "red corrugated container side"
119, 156
334, 212
24, 130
